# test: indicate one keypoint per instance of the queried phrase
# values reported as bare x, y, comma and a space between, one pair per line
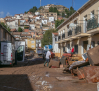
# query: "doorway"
63, 49
76, 49
85, 43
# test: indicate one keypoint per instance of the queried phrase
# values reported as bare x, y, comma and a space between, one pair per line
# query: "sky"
12, 7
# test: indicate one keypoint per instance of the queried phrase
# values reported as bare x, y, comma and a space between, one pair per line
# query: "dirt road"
33, 76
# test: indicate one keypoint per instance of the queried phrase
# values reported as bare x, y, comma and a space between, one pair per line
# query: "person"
48, 56
72, 51
69, 51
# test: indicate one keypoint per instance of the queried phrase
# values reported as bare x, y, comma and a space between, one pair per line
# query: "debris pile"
85, 66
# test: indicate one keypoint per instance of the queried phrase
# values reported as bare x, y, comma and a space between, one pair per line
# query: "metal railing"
77, 29
69, 33
63, 36
92, 23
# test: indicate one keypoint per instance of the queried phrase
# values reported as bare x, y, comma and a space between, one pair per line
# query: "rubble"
93, 56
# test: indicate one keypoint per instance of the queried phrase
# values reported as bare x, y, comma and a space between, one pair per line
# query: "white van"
7, 53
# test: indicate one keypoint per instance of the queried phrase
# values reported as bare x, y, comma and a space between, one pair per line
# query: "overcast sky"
12, 7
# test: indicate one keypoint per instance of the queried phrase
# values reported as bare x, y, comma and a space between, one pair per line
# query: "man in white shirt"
69, 51
48, 56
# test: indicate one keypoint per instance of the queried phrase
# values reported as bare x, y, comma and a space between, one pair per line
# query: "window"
52, 14
93, 44
92, 14
55, 39
76, 49
63, 49
98, 42
75, 22
61, 32
32, 41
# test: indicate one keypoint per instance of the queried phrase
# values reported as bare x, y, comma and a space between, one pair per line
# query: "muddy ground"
31, 75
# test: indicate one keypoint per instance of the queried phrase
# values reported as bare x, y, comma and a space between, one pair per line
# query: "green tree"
55, 9
63, 14
47, 37
6, 27
33, 10
40, 8
58, 22
25, 12
51, 9
69, 12
20, 29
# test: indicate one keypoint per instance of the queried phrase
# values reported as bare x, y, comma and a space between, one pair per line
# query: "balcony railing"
92, 23
63, 36
77, 29
70, 33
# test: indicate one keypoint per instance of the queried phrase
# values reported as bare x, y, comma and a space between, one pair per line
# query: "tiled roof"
55, 34
26, 30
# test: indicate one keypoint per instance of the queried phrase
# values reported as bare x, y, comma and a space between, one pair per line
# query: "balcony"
69, 33
77, 29
63, 36
92, 23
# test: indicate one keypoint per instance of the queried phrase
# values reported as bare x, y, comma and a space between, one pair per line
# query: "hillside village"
33, 25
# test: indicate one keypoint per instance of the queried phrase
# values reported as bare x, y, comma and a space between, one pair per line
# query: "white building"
44, 21
32, 26
17, 16
51, 19
13, 24
37, 13
56, 49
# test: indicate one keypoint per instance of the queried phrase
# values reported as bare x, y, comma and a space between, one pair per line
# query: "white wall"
51, 19
32, 26
13, 24
44, 21
37, 13
54, 44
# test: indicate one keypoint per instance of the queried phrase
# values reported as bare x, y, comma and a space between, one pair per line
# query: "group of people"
49, 56
70, 51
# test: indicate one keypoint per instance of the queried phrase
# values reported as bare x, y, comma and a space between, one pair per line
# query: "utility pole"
40, 3
72, 3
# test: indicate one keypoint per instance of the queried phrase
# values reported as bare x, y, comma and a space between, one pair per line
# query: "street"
31, 75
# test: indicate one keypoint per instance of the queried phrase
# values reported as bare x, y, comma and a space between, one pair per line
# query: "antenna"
40, 3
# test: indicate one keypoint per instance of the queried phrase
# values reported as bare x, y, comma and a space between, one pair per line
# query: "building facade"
56, 49
81, 29
31, 44
5, 35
